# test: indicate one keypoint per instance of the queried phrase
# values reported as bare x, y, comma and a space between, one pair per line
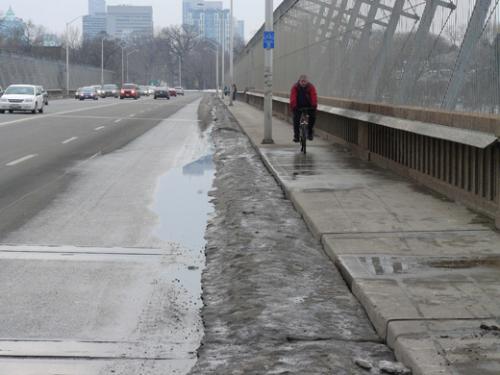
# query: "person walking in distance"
303, 95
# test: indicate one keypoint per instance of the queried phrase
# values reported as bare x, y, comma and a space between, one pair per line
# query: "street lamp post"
216, 50
102, 61
180, 71
67, 51
128, 54
231, 53
123, 71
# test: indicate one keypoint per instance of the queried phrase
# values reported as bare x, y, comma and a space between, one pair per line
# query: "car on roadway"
151, 90
161, 92
130, 90
45, 95
144, 90
77, 93
98, 89
179, 91
89, 92
172, 91
27, 98
110, 90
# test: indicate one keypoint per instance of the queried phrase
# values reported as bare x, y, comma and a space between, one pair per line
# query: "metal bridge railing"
426, 53
455, 154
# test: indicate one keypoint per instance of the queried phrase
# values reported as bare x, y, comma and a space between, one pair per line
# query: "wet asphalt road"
36, 151
94, 280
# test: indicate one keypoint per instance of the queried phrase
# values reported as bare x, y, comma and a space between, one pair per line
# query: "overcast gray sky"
53, 14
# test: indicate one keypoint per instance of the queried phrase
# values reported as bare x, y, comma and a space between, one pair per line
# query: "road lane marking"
99, 128
3, 124
69, 140
31, 118
20, 160
117, 121
133, 115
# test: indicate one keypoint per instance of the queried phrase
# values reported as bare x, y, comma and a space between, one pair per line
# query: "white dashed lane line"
99, 128
69, 140
117, 121
132, 115
20, 160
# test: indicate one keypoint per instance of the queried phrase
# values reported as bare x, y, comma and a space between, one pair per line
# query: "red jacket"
311, 92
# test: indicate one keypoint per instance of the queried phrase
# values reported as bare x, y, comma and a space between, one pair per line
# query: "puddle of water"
182, 202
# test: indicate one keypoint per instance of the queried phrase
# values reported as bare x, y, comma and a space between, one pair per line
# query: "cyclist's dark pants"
296, 122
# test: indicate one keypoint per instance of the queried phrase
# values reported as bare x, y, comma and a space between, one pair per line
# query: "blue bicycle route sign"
268, 39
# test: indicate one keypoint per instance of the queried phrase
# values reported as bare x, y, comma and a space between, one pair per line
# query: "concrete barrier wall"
48, 73
458, 170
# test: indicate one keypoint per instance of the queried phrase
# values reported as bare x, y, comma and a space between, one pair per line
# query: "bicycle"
303, 130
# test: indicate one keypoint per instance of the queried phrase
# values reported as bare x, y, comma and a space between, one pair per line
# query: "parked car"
22, 98
172, 91
179, 91
151, 90
88, 93
130, 90
161, 92
110, 90
1, 91
45, 95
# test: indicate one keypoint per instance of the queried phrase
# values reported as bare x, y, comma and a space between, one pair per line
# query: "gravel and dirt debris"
273, 301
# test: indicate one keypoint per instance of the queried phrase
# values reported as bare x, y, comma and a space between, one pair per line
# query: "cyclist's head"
303, 80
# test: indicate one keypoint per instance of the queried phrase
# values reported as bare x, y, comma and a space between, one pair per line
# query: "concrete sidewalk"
426, 269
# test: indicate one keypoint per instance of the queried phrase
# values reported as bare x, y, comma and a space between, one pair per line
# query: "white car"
22, 98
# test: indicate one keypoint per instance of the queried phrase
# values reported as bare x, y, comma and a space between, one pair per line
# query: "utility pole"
268, 44
231, 53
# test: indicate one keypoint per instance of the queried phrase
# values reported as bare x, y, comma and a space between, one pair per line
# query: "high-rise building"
124, 21
210, 20
94, 25
11, 24
239, 29
96, 7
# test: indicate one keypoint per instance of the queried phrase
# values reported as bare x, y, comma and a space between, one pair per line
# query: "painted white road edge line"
20, 160
69, 140
2, 124
99, 128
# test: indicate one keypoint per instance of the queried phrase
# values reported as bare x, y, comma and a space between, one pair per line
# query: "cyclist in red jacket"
303, 95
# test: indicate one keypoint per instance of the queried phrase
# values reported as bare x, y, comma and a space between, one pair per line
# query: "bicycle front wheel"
303, 139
